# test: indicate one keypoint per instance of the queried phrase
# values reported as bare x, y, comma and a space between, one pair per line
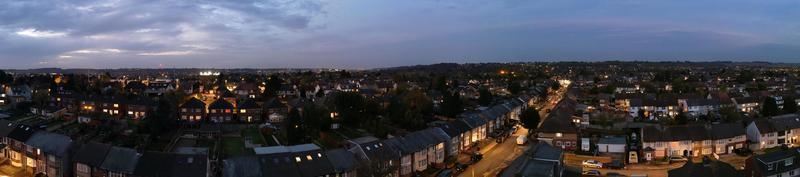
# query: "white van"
521, 140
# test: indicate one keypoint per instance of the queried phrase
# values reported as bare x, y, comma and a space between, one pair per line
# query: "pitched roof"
342, 160
92, 154
248, 104
193, 103
6, 127
119, 159
50, 143
243, 166
220, 104
21, 132
709, 168
778, 123
729, 130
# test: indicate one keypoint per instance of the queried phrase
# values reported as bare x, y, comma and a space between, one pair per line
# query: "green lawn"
234, 147
254, 135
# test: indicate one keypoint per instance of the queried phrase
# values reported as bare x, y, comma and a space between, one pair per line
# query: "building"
221, 111
558, 128
88, 159
540, 160
707, 168
192, 110
779, 163
691, 140
249, 111
774, 131
611, 145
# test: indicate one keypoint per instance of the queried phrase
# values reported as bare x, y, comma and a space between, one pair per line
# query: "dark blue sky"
379, 33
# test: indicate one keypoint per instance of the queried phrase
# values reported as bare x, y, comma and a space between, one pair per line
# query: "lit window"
297, 159
116, 105
243, 111
308, 157
558, 135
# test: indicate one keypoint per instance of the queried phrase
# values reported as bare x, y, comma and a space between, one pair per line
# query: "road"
496, 157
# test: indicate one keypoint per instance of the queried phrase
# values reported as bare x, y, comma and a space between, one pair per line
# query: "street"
496, 156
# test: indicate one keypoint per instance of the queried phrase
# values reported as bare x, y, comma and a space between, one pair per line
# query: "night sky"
383, 33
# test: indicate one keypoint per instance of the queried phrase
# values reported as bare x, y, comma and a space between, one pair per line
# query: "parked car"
477, 156
614, 174
677, 159
591, 173
592, 164
459, 167
616, 164
743, 151
445, 173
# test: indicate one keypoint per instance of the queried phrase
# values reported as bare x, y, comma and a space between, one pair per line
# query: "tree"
485, 97
5, 78
529, 118
681, 118
789, 105
160, 120
452, 104
514, 88
294, 128
409, 109
350, 106
555, 86
769, 107
730, 115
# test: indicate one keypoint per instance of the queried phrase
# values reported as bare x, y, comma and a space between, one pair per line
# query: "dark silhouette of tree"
5, 78
452, 104
529, 118
681, 118
485, 97
769, 107
409, 108
351, 107
729, 115
295, 133
514, 88
789, 105
162, 119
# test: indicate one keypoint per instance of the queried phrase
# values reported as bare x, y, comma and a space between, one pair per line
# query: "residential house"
783, 162
192, 110
221, 111
540, 160
249, 111
774, 131
707, 168
558, 128
88, 159
748, 104
51, 154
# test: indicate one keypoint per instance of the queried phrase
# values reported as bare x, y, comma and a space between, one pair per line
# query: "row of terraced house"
369, 156
39, 152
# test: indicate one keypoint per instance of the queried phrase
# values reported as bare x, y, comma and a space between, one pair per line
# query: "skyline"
375, 34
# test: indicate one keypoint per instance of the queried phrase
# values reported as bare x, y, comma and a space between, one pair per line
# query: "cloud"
356, 34
30, 32
166, 53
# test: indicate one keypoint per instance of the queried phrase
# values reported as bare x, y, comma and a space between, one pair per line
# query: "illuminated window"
116, 105
243, 111
558, 135
297, 159
308, 157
